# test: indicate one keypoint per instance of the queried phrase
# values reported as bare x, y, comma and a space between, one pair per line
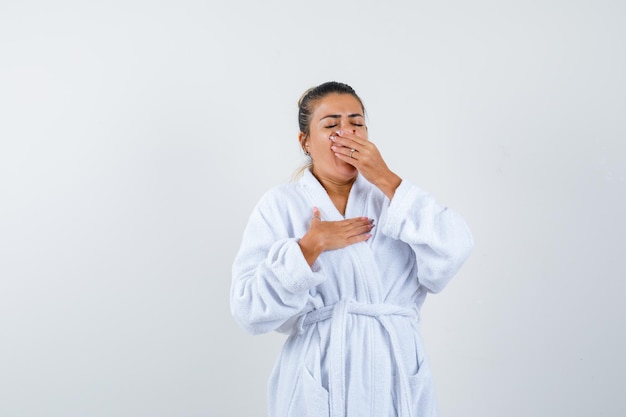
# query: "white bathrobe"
354, 348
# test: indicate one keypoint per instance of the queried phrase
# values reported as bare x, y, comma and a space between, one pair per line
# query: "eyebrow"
338, 116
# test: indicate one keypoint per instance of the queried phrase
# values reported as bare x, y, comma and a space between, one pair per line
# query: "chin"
339, 171
347, 170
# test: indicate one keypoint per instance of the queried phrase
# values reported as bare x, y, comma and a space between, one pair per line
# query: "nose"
344, 126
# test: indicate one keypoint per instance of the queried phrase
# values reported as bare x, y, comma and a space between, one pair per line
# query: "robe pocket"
421, 393
310, 398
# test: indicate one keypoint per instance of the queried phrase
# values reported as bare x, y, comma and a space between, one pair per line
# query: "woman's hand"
323, 236
364, 156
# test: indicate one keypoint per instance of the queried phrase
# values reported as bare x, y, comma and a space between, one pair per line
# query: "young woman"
342, 261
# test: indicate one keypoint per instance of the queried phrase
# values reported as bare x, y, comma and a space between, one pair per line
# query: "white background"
136, 136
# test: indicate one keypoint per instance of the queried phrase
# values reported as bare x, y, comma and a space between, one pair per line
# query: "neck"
338, 191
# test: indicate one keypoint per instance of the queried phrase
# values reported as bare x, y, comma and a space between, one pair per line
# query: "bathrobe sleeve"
270, 276
439, 237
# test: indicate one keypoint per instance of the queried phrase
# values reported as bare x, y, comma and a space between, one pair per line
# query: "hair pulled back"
306, 107
306, 104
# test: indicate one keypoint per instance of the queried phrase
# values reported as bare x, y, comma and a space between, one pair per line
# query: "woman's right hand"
326, 235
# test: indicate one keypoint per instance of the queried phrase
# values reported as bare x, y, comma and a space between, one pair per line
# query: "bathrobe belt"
336, 378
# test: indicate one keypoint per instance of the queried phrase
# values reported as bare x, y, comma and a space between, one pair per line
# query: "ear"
304, 143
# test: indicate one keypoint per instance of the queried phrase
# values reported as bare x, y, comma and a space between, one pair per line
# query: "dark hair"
307, 102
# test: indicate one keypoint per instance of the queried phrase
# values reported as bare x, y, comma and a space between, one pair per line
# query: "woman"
342, 260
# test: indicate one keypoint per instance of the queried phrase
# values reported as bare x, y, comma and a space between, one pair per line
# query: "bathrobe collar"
356, 200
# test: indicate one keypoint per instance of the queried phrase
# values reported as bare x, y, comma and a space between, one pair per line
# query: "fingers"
360, 231
358, 136
348, 141
330, 235
359, 221
350, 155
351, 148
348, 225
356, 227
359, 238
346, 150
316, 214
338, 234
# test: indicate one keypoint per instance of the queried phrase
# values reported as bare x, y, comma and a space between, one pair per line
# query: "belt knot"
337, 313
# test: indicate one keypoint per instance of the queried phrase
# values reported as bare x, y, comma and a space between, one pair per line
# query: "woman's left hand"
364, 156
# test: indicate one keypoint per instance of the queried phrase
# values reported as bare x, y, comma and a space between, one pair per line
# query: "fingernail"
332, 137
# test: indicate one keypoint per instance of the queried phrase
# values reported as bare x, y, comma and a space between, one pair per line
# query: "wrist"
389, 183
311, 249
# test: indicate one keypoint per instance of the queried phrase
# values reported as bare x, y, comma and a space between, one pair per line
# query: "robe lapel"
357, 200
357, 206
363, 255
319, 197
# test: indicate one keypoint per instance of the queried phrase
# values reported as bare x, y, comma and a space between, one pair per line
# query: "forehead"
337, 104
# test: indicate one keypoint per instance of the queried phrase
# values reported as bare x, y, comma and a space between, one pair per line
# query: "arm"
273, 272
271, 278
439, 237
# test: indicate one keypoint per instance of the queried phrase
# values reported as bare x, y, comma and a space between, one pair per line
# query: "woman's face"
341, 113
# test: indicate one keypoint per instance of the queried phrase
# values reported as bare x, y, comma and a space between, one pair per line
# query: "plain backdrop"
136, 137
